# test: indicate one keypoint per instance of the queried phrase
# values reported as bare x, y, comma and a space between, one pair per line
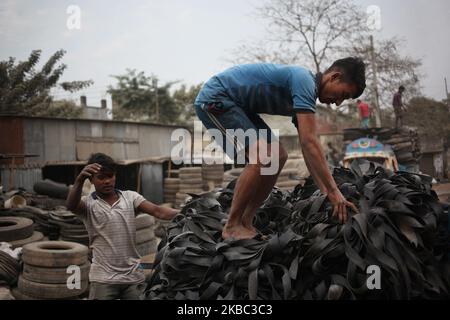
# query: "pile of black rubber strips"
395, 248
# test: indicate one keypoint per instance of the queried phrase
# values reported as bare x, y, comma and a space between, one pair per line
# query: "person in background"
399, 107
109, 217
364, 113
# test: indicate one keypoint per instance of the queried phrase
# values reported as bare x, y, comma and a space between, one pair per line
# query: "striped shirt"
112, 233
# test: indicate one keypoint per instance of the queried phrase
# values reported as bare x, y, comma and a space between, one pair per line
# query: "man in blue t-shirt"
232, 100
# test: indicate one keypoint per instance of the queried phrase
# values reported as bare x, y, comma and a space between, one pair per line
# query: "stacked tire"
212, 176
191, 181
230, 175
404, 142
9, 269
18, 231
287, 179
406, 146
71, 228
146, 241
53, 270
171, 187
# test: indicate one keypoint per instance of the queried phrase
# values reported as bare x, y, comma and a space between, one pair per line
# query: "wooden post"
169, 169
12, 173
139, 179
375, 84
446, 92
155, 87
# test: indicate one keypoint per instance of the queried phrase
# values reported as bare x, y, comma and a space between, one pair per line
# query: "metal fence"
19, 177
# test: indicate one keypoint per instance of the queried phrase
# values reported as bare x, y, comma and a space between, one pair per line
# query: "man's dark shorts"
225, 115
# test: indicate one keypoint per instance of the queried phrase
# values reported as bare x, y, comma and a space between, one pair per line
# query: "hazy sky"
189, 40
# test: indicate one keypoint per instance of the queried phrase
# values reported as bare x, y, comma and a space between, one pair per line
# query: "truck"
397, 149
371, 150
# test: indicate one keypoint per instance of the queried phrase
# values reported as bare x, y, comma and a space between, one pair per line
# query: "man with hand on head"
109, 216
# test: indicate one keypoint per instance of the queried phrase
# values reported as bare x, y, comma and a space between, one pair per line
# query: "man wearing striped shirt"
109, 217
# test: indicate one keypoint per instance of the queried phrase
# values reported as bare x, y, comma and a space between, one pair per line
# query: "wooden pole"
155, 87
446, 92
375, 84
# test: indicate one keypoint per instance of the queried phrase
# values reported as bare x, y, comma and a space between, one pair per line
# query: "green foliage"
184, 97
139, 97
63, 109
26, 91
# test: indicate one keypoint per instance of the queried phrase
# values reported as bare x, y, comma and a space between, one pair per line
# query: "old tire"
49, 290
144, 235
54, 254
51, 188
288, 184
144, 221
53, 275
147, 248
15, 228
18, 295
191, 180
190, 170
35, 237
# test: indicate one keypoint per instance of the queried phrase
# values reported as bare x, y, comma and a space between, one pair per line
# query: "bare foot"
249, 226
238, 232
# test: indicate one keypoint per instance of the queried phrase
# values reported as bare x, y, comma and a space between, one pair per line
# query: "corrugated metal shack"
39, 148
434, 157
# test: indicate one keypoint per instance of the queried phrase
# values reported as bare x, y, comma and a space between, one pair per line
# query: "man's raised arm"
73, 201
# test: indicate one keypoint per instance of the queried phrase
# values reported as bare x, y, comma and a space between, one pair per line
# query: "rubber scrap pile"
308, 254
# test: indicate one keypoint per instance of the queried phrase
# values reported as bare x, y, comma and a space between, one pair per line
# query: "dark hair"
107, 163
353, 70
358, 101
401, 88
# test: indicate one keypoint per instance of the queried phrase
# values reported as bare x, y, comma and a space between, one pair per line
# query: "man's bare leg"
251, 190
265, 187
244, 191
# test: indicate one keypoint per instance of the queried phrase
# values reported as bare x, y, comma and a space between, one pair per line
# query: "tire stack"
171, 187
212, 176
9, 269
146, 242
191, 181
46, 275
230, 175
18, 231
71, 228
287, 179
40, 217
406, 146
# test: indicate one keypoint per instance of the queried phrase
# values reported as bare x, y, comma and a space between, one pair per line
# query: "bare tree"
393, 69
314, 33
304, 31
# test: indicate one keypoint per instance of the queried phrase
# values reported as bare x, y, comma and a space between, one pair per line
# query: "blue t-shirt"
263, 88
